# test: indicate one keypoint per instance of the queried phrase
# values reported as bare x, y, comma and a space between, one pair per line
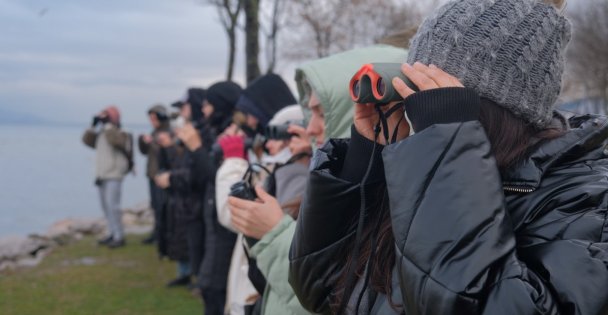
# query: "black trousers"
196, 244
158, 198
215, 301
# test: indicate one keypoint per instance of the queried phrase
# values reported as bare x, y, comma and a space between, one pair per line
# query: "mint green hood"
329, 78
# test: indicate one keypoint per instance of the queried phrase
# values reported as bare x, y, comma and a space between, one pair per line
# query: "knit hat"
508, 51
289, 114
264, 97
113, 114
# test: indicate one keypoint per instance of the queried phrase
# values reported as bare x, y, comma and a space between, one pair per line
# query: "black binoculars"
279, 132
373, 83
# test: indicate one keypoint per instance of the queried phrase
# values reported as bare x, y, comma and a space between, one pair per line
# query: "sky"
64, 60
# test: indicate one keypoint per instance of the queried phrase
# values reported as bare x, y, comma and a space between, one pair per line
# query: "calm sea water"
47, 174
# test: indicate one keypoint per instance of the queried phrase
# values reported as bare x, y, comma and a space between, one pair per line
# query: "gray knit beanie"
509, 51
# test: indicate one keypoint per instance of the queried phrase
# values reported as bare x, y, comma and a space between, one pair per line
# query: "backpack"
127, 151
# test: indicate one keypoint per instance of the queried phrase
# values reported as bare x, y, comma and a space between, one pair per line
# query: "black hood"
223, 97
196, 96
264, 97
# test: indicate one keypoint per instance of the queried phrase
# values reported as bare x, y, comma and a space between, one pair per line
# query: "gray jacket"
110, 161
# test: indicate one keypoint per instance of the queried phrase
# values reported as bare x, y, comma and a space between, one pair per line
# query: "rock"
65, 231
140, 214
23, 251
29, 251
138, 229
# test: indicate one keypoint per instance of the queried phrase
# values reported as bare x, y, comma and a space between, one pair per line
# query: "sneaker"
116, 243
183, 281
105, 241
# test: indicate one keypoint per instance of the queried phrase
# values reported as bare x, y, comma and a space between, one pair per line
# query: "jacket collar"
585, 139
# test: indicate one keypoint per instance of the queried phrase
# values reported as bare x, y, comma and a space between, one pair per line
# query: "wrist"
442, 106
360, 151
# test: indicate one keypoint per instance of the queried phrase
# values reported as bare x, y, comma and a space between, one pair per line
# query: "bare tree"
272, 13
321, 28
252, 44
229, 11
587, 63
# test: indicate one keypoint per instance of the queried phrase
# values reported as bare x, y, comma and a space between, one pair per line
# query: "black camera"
279, 132
243, 190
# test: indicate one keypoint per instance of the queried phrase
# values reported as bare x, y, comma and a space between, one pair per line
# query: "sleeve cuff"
356, 161
257, 248
442, 106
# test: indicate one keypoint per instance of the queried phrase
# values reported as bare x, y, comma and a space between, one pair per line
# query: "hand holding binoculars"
373, 83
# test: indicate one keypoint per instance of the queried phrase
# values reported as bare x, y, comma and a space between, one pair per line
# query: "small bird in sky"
43, 12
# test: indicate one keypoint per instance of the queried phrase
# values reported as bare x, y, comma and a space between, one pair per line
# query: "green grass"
128, 280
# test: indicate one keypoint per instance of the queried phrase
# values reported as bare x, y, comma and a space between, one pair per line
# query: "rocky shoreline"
28, 251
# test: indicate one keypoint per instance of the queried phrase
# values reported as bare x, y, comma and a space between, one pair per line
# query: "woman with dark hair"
495, 204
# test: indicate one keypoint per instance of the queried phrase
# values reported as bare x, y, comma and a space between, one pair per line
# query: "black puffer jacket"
468, 241
219, 241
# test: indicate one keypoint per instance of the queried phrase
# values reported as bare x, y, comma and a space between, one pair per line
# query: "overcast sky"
63, 60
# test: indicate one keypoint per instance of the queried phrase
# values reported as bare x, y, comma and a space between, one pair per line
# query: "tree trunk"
231, 53
252, 45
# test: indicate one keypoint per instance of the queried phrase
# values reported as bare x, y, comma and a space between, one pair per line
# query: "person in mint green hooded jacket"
325, 99
323, 88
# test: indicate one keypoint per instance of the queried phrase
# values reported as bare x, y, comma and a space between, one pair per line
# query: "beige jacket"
110, 162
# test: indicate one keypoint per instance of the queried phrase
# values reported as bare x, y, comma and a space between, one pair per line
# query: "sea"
47, 174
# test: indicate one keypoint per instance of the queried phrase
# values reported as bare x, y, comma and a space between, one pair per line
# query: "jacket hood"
222, 96
264, 97
329, 78
585, 140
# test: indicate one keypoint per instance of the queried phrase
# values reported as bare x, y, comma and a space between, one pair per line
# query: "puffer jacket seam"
294, 259
429, 277
560, 153
428, 181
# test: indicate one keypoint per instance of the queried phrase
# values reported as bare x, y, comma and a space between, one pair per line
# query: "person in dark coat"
219, 241
495, 205
149, 146
186, 181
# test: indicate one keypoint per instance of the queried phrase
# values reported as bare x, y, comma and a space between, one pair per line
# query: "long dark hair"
511, 141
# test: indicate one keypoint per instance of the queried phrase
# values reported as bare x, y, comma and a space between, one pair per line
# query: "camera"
243, 190
279, 132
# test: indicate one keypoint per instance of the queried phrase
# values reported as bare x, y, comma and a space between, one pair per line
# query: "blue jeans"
109, 192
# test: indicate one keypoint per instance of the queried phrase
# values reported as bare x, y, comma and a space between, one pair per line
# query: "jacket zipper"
522, 190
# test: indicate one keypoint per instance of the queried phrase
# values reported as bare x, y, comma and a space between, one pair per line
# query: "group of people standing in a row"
470, 195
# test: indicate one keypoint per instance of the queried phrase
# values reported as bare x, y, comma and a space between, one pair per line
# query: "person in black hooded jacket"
263, 98
219, 241
495, 205
184, 180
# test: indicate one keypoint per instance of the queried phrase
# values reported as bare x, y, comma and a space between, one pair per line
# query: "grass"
83, 278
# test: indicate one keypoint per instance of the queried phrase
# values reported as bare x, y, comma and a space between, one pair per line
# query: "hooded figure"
264, 97
219, 241
220, 103
328, 80
196, 97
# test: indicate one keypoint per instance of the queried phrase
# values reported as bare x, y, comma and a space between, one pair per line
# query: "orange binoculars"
373, 83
